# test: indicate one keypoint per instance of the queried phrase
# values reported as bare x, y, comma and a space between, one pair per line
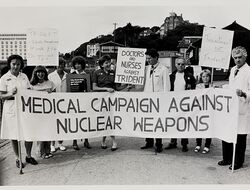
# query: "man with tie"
239, 80
156, 80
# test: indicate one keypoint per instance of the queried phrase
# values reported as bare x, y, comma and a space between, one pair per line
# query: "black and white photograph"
124, 94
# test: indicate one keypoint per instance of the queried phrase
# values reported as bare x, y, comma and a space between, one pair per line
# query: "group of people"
157, 79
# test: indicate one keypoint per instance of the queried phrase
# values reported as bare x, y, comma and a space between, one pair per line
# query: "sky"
80, 21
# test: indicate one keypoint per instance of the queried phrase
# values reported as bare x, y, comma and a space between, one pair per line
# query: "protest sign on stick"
42, 47
130, 66
216, 48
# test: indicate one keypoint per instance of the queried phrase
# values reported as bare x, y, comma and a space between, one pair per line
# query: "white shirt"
179, 83
158, 81
242, 81
60, 84
9, 82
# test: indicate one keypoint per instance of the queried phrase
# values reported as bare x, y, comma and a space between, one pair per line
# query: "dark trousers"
184, 142
150, 142
227, 150
45, 147
207, 142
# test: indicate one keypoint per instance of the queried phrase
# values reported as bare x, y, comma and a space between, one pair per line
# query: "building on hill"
145, 32
185, 43
171, 23
110, 48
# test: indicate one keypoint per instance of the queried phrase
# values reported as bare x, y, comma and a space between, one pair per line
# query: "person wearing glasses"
181, 79
156, 80
239, 81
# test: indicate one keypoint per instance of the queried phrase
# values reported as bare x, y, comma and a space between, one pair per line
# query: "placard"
78, 82
216, 48
42, 47
130, 66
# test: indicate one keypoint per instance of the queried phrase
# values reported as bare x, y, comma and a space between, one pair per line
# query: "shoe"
170, 146
45, 156
104, 146
18, 164
223, 163
62, 148
31, 160
197, 149
184, 149
236, 167
146, 146
50, 155
114, 148
158, 149
86, 145
76, 147
205, 150
52, 148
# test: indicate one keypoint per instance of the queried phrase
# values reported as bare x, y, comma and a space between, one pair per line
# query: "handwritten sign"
216, 48
42, 47
130, 66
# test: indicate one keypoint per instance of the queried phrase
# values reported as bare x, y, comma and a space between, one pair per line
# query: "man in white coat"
156, 80
239, 80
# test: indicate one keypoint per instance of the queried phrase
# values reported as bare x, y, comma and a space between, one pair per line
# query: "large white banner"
65, 116
216, 48
42, 47
130, 66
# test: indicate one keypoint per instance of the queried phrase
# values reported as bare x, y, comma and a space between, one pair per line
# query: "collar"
83, 72
10, 74
155, 65
242, 67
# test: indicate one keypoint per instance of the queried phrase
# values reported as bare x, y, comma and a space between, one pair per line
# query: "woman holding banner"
104, 80
40, 82
10, 83
205, 78
79, 64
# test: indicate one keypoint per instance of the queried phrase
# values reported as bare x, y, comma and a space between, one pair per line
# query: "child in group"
205, 78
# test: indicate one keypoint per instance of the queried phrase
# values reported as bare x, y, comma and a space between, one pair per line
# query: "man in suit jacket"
239, 80
156, 80
181, 79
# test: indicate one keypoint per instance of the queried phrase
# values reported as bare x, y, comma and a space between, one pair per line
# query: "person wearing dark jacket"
181, 79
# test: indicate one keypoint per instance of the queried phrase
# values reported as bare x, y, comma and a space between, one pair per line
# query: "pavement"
129, 165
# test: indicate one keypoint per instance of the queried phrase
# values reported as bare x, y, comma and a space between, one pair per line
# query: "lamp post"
114, 29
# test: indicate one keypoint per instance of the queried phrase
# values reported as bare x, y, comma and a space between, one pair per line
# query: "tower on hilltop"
171, 22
